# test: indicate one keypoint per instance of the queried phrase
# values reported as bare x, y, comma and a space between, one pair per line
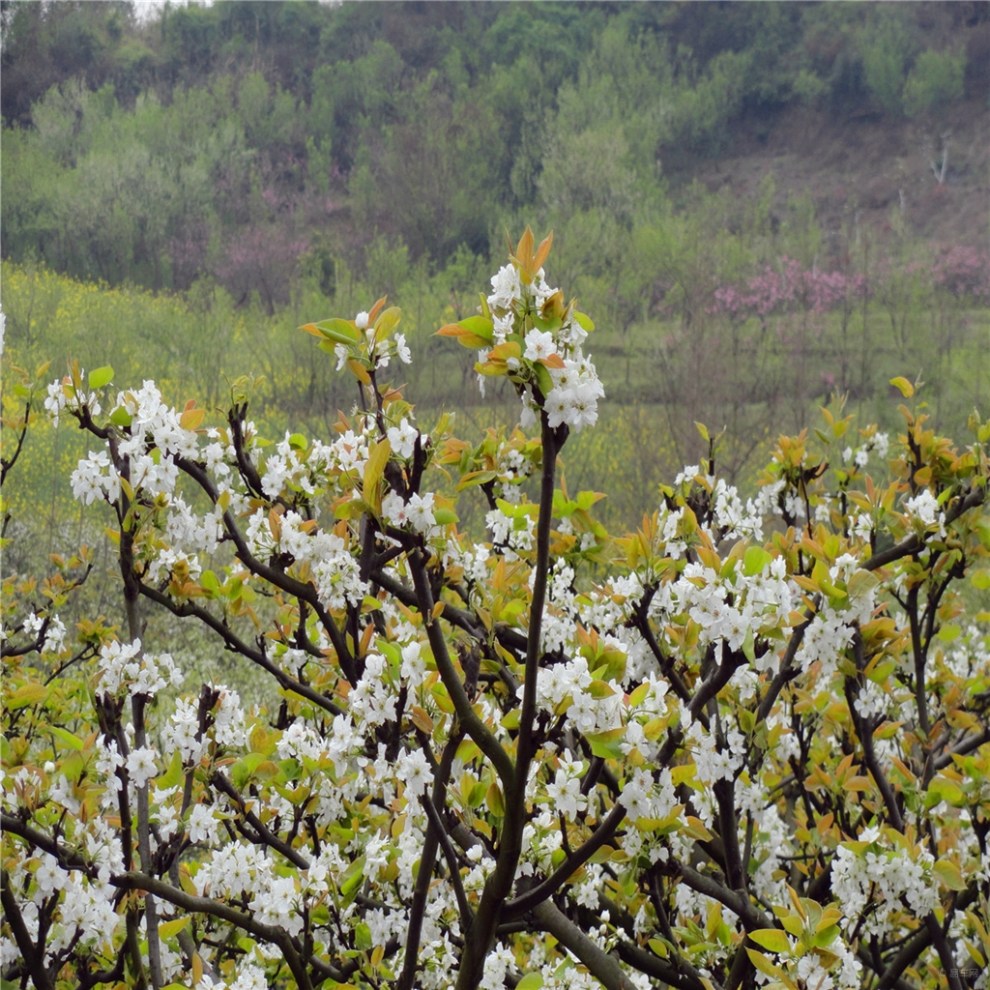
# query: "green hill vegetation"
763, 204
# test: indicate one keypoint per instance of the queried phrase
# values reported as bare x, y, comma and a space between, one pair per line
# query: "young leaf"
374, 471
191, 418
771, 938
66, 737
99, 377
387, 322
950, 874
169, 929
755, 559
903, 386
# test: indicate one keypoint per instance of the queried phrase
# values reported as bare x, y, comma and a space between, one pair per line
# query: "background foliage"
181, 191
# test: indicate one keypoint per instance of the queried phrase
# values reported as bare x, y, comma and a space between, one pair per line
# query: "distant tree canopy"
158, 139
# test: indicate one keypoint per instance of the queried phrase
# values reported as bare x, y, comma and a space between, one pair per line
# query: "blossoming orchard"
746, 745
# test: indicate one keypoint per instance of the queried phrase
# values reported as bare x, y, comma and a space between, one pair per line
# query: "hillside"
869, 167
178, 146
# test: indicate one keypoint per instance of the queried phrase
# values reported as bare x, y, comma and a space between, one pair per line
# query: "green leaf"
339, 331
495, 800
585, 500
824, 938
903, 386
27, 694
771, 938
944, 789
755, 560
374, 471
73, 766
607, 745
209, 583
242, 770
169, 929
479, 326
543, 379
950, 874
353, 878
531, 981
639, 694
99, 377
660, 946
362, 936
861, 584
763, 964
473, 478
387, 322
173, 776
548, 324
584, 321
66, 737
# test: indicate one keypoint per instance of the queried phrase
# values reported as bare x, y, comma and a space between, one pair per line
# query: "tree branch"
603, 966
192, 904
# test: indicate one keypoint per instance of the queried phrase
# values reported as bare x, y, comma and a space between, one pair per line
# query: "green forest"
765, 205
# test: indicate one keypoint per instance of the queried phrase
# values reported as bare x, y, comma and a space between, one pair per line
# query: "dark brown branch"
431, 842
601, 964
865, 732
235, 644
33, 955
680, 974
914, 544
472, 724
263, 834
450, 855
525, 902
961, 748
273, 575
6, 463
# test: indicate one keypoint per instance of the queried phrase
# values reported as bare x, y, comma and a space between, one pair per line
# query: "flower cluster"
67, 394
366, 344
574, 387
878, 883
878, 443
925, 511
126, 665
322, 554
415, 513
530, 335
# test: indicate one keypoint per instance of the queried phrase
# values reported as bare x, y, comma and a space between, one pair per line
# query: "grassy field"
751, 380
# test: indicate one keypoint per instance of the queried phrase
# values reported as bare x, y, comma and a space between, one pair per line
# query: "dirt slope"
865, 167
